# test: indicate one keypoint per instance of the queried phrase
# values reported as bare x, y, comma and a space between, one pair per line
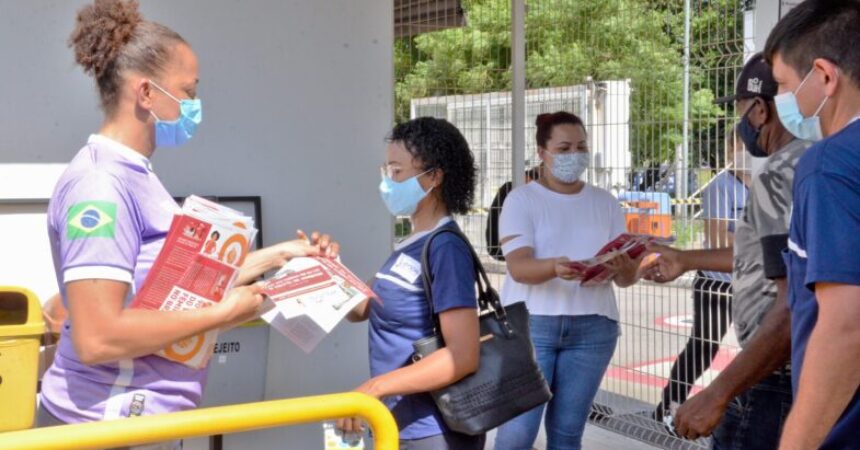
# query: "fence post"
682, 161
518, 92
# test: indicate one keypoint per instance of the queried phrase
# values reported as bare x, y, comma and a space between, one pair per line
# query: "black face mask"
750, 135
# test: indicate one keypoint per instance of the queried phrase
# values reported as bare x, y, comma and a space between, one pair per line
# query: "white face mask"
569, 167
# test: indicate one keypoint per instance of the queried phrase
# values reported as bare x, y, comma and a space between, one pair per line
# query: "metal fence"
643, 75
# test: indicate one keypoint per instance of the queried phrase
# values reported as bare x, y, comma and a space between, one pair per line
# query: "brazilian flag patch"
91, 219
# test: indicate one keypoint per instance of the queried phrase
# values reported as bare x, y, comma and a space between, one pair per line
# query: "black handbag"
508, 381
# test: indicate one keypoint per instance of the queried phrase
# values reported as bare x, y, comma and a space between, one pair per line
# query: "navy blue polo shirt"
824, 247
402, 316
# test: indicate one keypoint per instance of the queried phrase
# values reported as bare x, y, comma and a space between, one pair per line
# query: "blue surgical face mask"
402, 198
749, 134
807, 128
569, 167
174, 133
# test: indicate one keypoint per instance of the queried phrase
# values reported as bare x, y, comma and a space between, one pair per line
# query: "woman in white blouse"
545, 223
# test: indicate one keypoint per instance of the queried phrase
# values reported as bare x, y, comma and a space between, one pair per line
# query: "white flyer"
309, 296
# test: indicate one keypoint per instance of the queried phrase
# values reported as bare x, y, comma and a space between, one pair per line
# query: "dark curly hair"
437, 144
111, 37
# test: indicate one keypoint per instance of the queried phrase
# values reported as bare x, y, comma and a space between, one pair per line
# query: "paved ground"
656, 322
596, 438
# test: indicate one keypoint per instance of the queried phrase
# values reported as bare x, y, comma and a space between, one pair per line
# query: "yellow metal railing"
209, 421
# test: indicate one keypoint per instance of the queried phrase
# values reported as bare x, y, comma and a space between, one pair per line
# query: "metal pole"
518, 92
749, 33
681, 188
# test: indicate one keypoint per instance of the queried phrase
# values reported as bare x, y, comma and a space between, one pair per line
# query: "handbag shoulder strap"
488, 299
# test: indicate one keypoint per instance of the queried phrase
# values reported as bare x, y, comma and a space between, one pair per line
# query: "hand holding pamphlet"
309, 296
198, 264
594, 271
339, 440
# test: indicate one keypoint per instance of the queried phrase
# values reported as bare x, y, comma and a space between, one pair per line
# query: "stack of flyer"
200, 260
594, 271
309, 296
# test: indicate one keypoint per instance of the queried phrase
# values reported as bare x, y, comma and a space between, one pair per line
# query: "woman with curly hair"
428, 175
108, 219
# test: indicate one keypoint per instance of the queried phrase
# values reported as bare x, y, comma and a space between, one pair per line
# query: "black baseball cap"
755, 80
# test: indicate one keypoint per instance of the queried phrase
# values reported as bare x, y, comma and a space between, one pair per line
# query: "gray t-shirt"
760, 235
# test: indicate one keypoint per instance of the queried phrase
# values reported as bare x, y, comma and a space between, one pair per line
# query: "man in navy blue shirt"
815, 54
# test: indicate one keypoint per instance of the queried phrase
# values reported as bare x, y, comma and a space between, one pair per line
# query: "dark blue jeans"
573, 353
754, 419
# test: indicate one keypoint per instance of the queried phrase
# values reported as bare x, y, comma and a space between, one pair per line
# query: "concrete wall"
297, 97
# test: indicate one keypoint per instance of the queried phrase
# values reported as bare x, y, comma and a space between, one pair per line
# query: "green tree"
570, 40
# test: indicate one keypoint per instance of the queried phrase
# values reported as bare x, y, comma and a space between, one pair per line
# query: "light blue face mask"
569, 167
174, 133
402, 198
807, 128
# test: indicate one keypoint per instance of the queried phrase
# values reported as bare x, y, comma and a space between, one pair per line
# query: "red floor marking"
680, 321
638, 373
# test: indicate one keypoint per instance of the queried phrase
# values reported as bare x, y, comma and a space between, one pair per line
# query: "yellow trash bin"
21, 328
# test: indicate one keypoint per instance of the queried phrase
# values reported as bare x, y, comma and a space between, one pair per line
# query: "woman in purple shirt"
107, 221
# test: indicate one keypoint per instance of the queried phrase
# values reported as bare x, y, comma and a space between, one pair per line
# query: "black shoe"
663, 417
658, 413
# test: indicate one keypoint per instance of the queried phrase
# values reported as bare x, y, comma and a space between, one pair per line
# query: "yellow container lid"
20, 313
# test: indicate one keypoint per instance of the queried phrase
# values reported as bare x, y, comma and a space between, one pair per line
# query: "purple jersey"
107, 219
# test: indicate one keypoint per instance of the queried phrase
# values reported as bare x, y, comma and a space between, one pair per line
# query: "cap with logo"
755, 80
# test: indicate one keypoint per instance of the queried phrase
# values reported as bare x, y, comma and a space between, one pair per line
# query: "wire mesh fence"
643, 75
